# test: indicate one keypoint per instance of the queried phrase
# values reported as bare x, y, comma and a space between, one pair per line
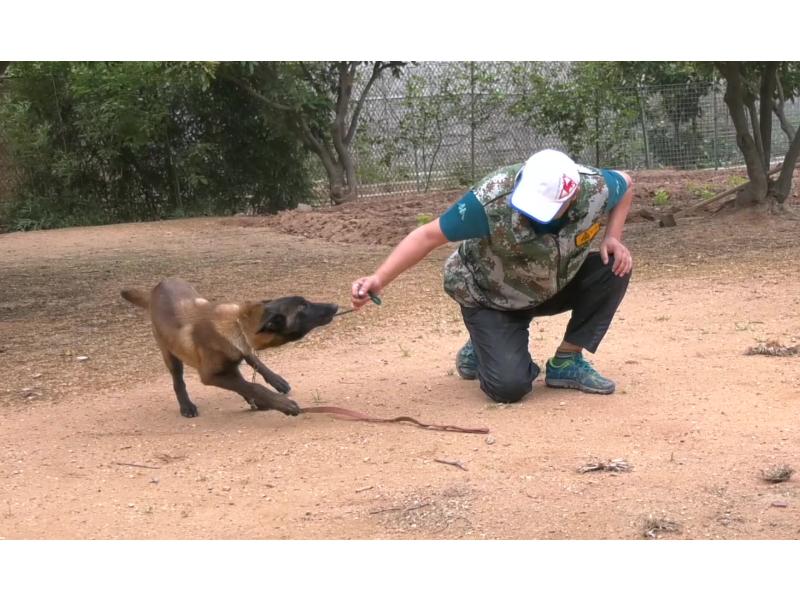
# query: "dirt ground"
93, 446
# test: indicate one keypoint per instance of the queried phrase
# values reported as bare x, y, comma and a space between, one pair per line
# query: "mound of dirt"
382, 220
385, 220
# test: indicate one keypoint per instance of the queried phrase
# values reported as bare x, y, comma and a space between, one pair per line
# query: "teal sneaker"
576, 373
467, 362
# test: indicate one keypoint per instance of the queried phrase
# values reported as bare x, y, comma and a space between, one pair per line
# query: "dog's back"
215, 337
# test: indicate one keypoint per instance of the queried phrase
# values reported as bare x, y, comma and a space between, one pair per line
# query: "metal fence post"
472, 121
644, 126
714, 112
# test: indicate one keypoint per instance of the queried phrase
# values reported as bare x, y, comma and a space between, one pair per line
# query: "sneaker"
576, 373
467, 362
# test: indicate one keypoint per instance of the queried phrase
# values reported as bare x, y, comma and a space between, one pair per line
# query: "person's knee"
608, 273
507, 389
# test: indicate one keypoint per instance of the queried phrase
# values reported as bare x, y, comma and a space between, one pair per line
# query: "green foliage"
661, 197
737, 180
587, 107
672, 124
468, 93
424, 218
703, 192
319, 104
108, 142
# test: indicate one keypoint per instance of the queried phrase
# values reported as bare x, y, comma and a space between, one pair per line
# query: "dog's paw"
289, 407
280, 384
189, 410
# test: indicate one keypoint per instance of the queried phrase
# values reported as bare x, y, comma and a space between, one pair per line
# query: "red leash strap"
352, 415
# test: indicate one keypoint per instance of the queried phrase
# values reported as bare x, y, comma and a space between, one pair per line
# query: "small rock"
36, 375
82, 358
130, 504
490, 439
304, 207
780, 504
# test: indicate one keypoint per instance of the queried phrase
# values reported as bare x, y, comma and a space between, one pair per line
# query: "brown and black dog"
214, 338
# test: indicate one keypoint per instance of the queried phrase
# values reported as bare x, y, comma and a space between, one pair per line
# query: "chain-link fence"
444, 125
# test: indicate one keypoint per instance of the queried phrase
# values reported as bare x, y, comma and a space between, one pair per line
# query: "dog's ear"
273, 322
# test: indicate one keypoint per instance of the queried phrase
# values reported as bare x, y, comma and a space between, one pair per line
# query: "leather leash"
352, 415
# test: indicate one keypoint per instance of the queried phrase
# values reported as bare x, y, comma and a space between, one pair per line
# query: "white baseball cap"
546, 182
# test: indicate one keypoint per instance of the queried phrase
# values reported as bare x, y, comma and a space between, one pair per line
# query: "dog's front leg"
271, 377
256, 395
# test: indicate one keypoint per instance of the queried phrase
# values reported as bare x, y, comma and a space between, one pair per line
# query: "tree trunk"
735, 99
783, 187
3, 66
768, 82
345, 189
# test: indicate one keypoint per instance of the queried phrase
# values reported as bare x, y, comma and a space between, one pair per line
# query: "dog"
214, 338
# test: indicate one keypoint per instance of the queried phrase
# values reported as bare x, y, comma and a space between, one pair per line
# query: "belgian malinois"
214, 338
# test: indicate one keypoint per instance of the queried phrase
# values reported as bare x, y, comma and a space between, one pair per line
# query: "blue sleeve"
617, 186
465, 219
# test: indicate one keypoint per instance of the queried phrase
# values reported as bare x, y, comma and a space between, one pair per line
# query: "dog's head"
275, 322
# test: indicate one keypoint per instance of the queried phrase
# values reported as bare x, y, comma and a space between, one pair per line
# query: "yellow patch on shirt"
587, 235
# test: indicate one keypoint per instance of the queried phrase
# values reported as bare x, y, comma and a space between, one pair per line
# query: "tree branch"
768, 81
784, 183
377, 69
243, 85
778, 108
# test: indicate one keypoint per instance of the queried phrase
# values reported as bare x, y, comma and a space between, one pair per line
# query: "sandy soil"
696, 417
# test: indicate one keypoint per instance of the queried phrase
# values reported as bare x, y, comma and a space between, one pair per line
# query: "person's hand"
623, 262
358, 295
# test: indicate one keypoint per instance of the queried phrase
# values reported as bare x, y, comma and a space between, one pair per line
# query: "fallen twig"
404, 509
383, 510
773, 348
135, 465
452, 463
364, 489
618, 465
653, 526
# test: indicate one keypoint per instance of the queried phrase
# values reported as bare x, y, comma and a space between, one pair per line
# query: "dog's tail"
137, 297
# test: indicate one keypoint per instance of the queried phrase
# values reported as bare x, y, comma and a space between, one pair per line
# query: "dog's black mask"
293, 317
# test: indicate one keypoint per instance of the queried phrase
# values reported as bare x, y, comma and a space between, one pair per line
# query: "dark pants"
500, 338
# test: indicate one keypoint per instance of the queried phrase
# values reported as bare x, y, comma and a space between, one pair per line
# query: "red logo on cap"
567, 187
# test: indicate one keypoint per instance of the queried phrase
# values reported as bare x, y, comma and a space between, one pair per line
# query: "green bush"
98, 142
661, 197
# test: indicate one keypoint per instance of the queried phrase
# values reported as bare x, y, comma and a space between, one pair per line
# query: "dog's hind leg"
255, 395
270, 376
175, 366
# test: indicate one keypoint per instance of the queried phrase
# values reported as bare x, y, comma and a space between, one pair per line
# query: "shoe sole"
574, 385
466, 376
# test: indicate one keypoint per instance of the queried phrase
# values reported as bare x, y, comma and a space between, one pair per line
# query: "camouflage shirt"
515, 267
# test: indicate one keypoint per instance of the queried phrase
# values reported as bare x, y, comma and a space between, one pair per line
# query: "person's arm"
414, 247
612, 241
465, 219
619, 214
